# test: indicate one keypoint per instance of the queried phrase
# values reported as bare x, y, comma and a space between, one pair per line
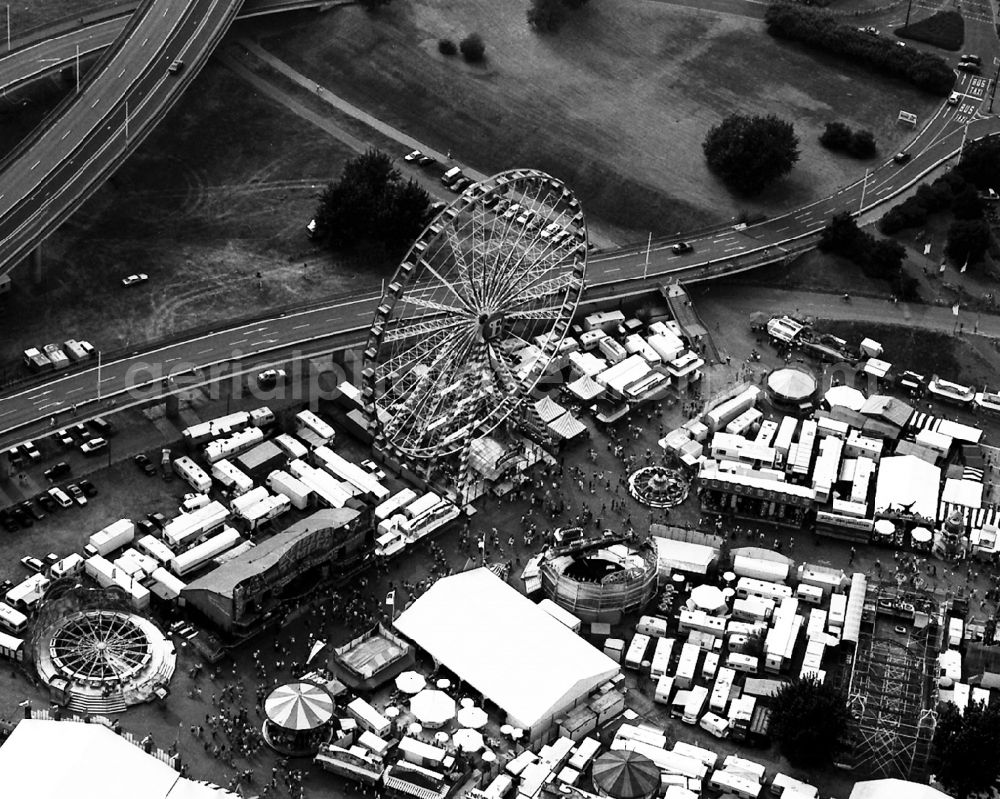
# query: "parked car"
902, 157
682, 247
144, 464
969, 66
32, 564
79, 432
413, 155
31, 452
24, 519
77, 493
8, 521
103, 427
158, 519
971, 57
87, 487
134, 280
46, 502
94, 446
954, 98
61, 497
51, 559
462, 184
270, 378
373, 467
426, 160
145, 527
437, 208
64, 438
33, 509
53, 473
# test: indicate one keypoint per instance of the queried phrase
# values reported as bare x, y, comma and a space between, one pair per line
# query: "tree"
373, 5
835, 136
980, 163
371, 202
885, 258
748, 153
473, 48
447, 47
842, 236
965, 748
545, 16
862, 144
968, 240
807, 720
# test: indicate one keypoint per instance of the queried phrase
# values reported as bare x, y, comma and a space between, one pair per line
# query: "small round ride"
474, 314
297, 718
659, 486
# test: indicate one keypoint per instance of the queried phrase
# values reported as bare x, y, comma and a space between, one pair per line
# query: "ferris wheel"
474, 314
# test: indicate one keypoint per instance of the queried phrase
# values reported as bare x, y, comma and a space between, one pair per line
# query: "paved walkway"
859, 309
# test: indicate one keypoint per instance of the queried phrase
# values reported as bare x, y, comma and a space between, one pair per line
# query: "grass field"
222, 190
616, 104
26, 14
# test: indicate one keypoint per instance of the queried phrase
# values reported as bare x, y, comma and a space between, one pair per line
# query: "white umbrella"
415, 729
489, 756
517, 733
468, 740
441, 737
432, 707
391, 712
443, 683
466, 702
411, 682
506, 729
472, 717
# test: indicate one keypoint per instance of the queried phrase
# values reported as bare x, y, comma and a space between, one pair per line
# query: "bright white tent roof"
58, 759
895, 789
845, 396
504, 645
907, 483
682, 555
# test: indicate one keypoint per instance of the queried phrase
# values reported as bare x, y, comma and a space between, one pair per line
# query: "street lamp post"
649, 246
8, 27
78, 69
909, 5
864, 186
993, 91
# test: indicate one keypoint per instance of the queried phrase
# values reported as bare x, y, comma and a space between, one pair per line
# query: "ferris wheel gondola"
474, 314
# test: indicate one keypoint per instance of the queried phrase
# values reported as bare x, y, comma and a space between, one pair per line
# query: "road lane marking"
782, 229
238, 341
206, 351
299, 327
614, 269
50, 405
106, 379
74, 390
35, 164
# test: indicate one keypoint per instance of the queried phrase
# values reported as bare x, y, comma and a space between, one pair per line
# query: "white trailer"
232, 479
234, 444
327, 489
155, 548
394, 503
241, 503
186, 529
687, 666
27, 594
114, 536
722, 689
636, 652
759, 569
193, 474
343, 469
202, 553
660, 663
271, 507
421, 505
282, 482
213, 428
165, 585
313, 430
762, 589
292, 447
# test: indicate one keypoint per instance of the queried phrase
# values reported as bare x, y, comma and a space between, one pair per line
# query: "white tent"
58, 759
846, 397
907, 484
895, 789
585, 388
505, 646
548, 409
674, 555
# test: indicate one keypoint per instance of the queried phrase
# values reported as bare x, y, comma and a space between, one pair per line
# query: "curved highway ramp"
81, 143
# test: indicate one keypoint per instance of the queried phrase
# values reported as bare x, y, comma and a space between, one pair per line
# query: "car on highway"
144, 464
954, 98
311, 229
175, 66
87, 487
413, 155
271, 378
32, 564
902, 157
969, 66
77, 493
682, 247
94, 446
133, 280
869, 29
53, 473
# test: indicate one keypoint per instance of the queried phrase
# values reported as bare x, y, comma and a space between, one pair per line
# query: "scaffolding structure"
892, 691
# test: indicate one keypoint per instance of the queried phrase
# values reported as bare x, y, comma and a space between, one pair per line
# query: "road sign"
907, 117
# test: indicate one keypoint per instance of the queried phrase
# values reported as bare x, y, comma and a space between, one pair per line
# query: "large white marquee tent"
506, 647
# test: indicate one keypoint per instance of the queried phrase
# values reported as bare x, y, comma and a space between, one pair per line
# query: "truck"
56, 356
281, 482
114, 536
36, 360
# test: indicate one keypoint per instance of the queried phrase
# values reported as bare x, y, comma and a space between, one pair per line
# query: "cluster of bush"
819, 29
840, 138
472, 48
878, 258
545, 16
956, 192
750, 152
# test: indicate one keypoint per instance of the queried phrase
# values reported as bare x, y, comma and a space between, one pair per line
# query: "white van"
388, 544
714, 725
192, 502
451, 175
60, 497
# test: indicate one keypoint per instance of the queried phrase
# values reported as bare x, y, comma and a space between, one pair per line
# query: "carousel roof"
846, 397
626, 775
792, 384
299, 706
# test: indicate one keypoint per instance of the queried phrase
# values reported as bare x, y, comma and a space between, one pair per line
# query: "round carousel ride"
659, 486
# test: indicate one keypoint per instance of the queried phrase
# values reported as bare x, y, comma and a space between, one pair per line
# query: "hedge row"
819, 29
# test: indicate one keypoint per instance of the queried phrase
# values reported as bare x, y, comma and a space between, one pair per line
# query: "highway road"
344, 323
49, 49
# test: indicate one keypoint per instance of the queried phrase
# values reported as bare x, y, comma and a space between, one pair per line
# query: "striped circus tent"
626, 775
299, 706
